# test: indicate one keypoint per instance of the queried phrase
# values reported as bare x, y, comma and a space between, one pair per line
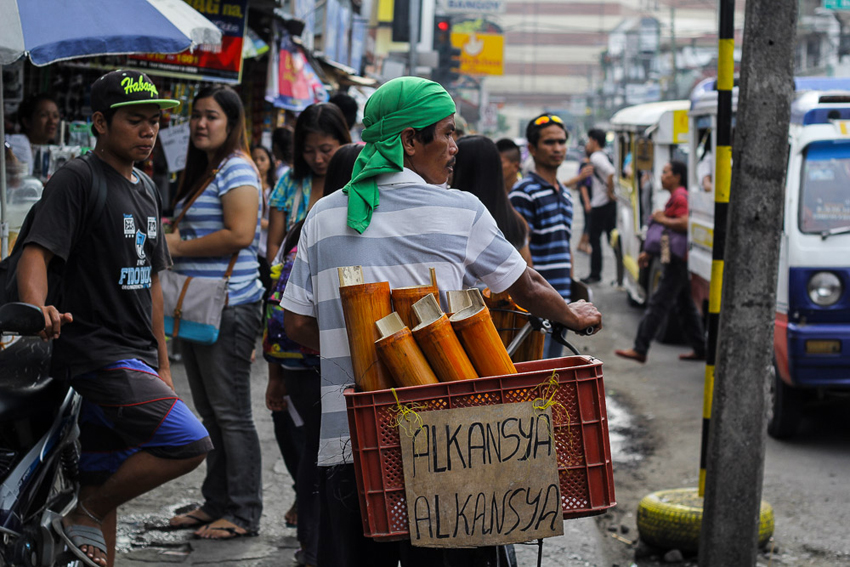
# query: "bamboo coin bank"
362, 305
474, 327
400, 353
405, 297
438, 341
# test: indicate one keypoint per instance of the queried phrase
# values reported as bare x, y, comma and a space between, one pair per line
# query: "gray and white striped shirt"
415, 227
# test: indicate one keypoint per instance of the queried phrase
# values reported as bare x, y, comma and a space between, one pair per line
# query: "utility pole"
736, 441
674, 88
415, 11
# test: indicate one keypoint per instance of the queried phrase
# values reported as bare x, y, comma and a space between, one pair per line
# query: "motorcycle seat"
26, 389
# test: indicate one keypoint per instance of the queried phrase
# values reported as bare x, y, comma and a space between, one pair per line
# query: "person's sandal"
76, 535
631, 354
692, 356
233, 531
196, 520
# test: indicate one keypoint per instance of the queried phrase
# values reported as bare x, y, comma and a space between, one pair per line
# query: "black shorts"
127, 408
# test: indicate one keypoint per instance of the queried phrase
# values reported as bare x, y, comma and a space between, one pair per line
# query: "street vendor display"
395, 216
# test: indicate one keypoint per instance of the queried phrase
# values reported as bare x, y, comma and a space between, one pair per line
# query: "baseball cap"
124, 88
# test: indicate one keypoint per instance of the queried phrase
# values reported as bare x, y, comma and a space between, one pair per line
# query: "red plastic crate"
584, 455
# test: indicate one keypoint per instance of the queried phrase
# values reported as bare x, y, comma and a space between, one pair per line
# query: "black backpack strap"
98, 186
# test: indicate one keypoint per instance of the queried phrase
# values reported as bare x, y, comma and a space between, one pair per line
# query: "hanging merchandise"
222, 64
292, 82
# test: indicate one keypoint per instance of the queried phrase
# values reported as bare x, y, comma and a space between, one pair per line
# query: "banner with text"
220, 64
481, 53
482, 476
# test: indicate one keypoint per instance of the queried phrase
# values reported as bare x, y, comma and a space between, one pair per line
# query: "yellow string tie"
407, 415
550, 388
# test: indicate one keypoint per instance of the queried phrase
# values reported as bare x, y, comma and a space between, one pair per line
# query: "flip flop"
197, 523
234, 533
77, 535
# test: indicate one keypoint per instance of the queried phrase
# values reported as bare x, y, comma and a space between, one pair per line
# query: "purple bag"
678, 241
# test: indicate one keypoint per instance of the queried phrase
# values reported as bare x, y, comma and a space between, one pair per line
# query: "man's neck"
125, 168
548, 174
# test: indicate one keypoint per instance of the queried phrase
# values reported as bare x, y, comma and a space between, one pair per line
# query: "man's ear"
99, 122
407, 136
532, 149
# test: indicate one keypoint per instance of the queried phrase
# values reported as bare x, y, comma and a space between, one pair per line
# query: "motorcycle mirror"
21, 318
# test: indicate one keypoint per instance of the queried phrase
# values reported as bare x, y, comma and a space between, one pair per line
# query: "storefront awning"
343, 75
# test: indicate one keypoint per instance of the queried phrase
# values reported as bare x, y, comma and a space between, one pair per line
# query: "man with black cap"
136, 434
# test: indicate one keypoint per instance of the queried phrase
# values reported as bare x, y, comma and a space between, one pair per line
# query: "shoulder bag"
192, 305
677, 241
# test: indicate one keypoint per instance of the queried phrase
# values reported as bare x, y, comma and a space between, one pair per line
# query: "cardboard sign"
175, 146
481, 476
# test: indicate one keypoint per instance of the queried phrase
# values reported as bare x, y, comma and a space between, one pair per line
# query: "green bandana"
406, 102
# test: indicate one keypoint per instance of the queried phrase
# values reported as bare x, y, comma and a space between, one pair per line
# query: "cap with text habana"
125, 87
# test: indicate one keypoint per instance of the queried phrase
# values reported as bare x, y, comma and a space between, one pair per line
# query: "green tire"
671, 519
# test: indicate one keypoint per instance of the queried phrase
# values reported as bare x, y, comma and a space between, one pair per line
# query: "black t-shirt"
108, 265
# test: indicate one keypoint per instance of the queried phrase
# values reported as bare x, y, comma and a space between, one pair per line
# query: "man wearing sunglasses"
546, 205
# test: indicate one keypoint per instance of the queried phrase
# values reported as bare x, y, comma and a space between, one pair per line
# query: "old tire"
671, 519
785, 407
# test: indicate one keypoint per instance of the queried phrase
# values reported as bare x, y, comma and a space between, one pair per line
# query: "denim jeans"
220, 381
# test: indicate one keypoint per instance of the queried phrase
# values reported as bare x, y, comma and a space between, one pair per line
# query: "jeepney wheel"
784, 407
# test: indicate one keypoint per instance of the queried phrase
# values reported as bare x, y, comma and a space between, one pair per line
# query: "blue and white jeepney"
812, 324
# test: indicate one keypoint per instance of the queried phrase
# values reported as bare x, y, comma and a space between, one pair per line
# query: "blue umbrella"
54, 30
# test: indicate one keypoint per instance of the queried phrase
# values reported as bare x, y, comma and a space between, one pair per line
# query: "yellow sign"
680, 126
481, 53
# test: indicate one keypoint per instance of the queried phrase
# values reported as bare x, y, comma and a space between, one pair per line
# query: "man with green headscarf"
396, 219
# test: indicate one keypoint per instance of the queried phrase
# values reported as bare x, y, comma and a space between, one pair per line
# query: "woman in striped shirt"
220, 228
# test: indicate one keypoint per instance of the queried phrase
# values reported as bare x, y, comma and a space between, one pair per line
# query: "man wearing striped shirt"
396, 219
547, 208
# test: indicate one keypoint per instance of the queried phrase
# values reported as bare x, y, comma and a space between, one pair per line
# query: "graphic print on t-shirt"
139, 276
140, 244
129, 226
151, 227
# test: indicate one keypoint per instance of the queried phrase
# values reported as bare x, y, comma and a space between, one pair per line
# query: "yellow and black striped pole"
722, 184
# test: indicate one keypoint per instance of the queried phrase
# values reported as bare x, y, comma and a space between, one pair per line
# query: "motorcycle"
39, 447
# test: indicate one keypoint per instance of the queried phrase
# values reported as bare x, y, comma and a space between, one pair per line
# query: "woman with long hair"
319, 132
478, 170
219, 196
264, 160
304, 388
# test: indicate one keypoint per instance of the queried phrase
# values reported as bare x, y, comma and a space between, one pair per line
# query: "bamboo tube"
499, 305
457, 301
474, 327
405, 297
400, 353
531, 348
362, 305
438, 341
